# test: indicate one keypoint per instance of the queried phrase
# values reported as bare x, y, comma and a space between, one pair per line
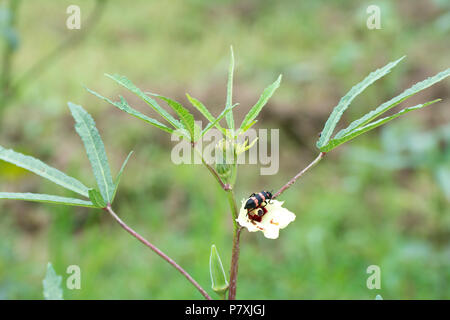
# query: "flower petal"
275, 219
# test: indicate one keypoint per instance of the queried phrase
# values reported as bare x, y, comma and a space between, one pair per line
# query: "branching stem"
225, 186
157, 251
292, 181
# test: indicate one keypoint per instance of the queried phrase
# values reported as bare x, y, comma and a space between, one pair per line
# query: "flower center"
256, 214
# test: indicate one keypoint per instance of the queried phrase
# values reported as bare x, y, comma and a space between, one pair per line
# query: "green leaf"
52, 285
38, 167
46, 198
122, 80
246, 146
116, 183
97, 199
345, 101
256, 109
124, 106
95, 149
219, 281
248, 126
229, 117
393, 102
215, 123
186, 117
356, 132
201, 107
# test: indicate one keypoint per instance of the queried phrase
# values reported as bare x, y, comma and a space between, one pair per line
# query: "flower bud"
224, 171
219, 281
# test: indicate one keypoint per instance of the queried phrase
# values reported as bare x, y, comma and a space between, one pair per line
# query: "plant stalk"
236, 247
234, 263
157, 251
225, 186
301, 173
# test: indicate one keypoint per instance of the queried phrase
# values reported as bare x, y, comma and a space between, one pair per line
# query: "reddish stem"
225, 186
157, 251
292, 181
234, 264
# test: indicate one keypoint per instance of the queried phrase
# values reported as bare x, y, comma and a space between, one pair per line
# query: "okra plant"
260, 212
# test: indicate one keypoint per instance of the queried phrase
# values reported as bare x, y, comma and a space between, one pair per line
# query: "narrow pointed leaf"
52, 284
186, 117
95, 149
229, 117
345, 101
248, 126
205, 112
124, 106
46, 198
97, 199
394, 102
215, 123
124, 81
119, 175
201, 107
219, 281
249, 146
256, 109
358, 131
40, 168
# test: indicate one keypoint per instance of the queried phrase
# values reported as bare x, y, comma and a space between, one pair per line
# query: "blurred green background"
382, 199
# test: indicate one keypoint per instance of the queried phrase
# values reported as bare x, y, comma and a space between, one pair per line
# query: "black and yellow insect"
256, 203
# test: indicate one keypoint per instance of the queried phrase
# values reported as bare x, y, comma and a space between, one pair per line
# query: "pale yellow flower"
275, 219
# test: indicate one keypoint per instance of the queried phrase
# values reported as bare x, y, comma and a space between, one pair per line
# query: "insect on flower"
256, 203
268, 219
